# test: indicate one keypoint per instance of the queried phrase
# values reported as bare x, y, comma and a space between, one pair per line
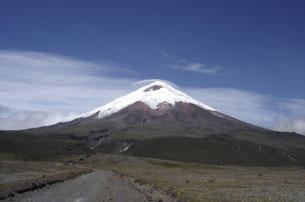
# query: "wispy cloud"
282, 123
163, 53
148, 81
197, 67
33, 83
291, 116
4, 110
255, 108
244, 105
294, 107
183, 64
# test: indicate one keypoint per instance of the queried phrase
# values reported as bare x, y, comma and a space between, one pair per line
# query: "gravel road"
99, 185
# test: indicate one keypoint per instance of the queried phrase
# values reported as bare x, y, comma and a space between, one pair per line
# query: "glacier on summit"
153, 94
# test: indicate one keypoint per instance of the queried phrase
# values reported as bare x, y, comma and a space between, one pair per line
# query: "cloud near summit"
197, 67
183, 64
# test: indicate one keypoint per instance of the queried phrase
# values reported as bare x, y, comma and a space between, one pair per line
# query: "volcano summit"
160, 121
152, 95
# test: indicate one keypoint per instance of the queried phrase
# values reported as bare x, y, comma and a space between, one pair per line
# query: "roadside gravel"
100, 185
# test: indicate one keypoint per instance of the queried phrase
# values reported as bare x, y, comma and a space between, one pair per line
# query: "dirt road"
99, 185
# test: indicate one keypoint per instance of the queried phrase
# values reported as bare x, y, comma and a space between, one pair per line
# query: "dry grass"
197, 182
230, 184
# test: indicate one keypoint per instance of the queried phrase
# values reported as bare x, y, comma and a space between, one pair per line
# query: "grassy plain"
183, 181
199, 182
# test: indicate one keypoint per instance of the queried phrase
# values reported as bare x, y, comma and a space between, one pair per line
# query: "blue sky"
245, 58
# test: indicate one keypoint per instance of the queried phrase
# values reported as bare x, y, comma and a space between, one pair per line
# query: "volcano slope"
175, 129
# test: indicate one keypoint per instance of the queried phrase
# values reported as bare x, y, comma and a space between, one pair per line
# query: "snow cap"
153, 94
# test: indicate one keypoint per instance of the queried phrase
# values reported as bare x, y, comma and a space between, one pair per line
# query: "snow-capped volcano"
160, 121
152, 95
